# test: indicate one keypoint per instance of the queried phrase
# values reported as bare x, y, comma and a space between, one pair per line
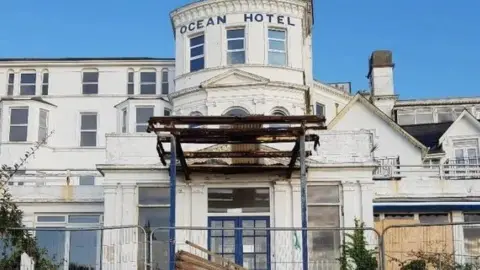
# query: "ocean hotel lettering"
248, 17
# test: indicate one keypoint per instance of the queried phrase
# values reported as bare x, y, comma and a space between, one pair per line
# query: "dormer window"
197, 56
235, 46
27, 83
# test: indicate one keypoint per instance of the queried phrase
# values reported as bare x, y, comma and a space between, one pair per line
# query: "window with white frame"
45, 81
10, 83
90, 82
18, 124
324, 206
88, 129
319, 109
250, 200
124, 120
148, 83
466, 151
66, 244
42, 125
471, 237
197, 53
28, 82
277, 47
444, 115
165, 85
86, 180
131, 82
235, 46
143, 114
154, 212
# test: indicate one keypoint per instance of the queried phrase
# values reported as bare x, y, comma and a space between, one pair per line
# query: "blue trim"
424, 208
173, 193
239, 236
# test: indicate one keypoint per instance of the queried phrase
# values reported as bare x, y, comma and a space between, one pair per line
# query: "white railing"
439, 171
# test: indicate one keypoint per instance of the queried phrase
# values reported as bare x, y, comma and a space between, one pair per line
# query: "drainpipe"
173, 195
303, 196
361, 200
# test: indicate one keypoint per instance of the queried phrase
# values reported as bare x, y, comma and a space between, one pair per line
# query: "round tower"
242, 57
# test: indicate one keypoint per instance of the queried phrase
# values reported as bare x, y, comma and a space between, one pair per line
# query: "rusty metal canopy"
247, 130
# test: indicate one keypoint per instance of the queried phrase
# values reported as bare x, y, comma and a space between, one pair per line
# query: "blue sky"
436, 44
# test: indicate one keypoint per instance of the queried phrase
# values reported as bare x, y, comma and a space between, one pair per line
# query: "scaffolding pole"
303, 198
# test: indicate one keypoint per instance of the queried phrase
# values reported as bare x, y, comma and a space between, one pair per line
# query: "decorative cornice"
205, 9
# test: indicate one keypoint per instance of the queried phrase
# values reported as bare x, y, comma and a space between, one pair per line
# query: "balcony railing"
450, 170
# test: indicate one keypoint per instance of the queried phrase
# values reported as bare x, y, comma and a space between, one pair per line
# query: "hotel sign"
247, 17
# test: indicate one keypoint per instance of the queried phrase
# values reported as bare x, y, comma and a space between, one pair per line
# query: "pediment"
234, 77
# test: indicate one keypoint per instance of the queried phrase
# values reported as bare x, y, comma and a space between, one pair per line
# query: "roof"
68, 59
359, 98
428, 134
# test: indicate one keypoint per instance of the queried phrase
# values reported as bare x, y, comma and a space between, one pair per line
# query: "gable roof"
465, 114
361, 99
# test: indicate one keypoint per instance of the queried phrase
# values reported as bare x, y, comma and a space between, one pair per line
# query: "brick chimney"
380, 75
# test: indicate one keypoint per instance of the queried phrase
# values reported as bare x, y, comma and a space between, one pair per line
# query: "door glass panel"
227, 225
249, 261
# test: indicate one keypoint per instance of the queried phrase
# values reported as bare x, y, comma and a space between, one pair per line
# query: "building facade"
382, 160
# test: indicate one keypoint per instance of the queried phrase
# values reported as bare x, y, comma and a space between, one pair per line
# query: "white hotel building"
381, 159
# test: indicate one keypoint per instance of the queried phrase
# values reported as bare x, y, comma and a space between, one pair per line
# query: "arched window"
10, 82
237, 111
279, 112
195, 113
45, 80
130, 81
165, 86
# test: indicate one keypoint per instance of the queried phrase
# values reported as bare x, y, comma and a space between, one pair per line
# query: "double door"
250, 248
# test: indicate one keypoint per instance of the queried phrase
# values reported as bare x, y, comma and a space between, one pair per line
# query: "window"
423, 116
444, 115
433, 218
131, 83
69, 248
197, 56
195, 113
142, 117
45, 79
235, 46
27, 84
324, 211
18, 124
471, 234
11, 83
148, 83
88, 129
43, 125
320, 109
250, 200
90, 82
167, 112
277, 47
153, 212
165, 82
86, 180
124, 120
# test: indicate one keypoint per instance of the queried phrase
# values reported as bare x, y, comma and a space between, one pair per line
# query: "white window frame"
67, 225
124, 120
165, 82
130, 83
91, 83
89, 130
229, 52
149, 83
18, 125
276, 39
136, 111
45, 83
10, 84
339, 206
34, 84
43, 131
323, 109
193, 47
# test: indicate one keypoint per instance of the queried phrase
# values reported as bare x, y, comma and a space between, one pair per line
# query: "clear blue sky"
436, 44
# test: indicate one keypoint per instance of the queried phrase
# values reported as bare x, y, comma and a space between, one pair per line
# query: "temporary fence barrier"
439, 245
258, 247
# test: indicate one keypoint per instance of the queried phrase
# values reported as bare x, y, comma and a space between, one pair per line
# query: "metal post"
303, 197
173, 193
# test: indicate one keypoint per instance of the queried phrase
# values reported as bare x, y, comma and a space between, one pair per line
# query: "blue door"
250, 248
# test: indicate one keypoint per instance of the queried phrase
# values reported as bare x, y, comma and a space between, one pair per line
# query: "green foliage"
14, 239
355, 254
437, 260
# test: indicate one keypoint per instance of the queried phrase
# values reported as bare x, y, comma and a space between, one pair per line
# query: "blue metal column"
303, 198
173, 195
